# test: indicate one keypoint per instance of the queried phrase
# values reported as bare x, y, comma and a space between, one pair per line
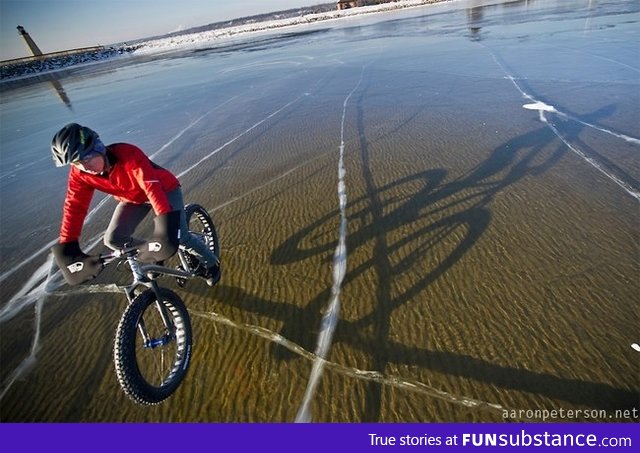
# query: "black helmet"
73, 142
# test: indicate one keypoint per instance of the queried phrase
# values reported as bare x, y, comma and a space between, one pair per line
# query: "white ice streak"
30, 360
330, 317
46, 280
37, 286
221, 147
193, 123
624, 137
542, 108
47, 246
364, 375
31, 291
630, 190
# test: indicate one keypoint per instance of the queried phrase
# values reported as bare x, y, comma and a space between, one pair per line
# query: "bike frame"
146, 275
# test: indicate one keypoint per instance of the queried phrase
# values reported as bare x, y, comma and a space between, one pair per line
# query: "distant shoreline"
216, 31
30, 68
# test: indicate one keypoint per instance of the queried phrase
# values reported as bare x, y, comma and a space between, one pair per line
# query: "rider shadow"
442, 210
467, 199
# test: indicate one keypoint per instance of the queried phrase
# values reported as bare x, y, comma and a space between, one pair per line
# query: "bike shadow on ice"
443, 215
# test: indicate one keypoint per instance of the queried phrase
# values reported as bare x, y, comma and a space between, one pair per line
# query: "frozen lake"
485, 258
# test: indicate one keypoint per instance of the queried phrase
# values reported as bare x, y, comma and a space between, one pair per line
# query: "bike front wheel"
152, 347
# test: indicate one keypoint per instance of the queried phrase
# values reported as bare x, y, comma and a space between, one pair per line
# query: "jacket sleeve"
76, 205
147, 178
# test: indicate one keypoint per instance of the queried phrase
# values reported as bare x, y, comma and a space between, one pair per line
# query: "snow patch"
541, 106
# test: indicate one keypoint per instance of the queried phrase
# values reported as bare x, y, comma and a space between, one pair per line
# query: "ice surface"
223, 116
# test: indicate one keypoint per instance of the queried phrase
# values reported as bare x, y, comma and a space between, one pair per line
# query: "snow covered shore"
27, 69
195, 39
35, 67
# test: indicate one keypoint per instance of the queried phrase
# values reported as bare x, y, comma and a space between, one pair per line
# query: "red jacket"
133, 178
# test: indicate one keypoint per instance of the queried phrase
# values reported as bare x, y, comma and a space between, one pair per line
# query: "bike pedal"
180, 280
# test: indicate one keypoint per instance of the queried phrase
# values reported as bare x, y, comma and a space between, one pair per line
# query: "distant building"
344, 4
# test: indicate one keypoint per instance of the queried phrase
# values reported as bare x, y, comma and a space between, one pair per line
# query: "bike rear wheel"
202, 229
150, 369
200, 225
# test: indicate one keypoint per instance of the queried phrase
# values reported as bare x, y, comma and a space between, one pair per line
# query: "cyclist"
125, 172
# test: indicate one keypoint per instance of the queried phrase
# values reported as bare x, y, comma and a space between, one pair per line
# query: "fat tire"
128, 372
209, 230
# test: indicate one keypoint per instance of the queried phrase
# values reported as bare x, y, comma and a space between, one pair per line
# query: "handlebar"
141, 270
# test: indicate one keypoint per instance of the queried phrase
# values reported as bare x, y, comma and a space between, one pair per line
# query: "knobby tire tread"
204, 217
129, 376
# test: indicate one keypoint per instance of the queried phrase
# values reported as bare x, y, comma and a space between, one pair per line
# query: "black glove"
165, 240
76, 266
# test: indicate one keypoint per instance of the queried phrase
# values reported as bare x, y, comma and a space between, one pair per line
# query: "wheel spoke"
149, 371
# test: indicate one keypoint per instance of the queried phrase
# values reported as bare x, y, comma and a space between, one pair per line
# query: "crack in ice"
356, 373
542, 107
330, 318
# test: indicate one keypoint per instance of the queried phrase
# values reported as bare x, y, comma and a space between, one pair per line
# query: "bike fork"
169, 328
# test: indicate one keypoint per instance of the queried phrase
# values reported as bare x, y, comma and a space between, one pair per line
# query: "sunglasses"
98, 150
88, 157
